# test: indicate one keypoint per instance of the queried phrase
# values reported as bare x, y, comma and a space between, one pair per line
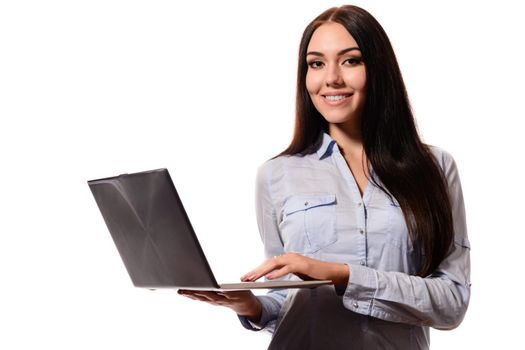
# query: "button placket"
359, 201
363, 233
360, 205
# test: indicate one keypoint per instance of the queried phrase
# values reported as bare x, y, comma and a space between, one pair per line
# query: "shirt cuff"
361, 288
269, 312
246, 323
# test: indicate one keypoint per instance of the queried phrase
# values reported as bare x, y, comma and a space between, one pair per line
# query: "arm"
244, 303
268, 229
255, 312
439, 300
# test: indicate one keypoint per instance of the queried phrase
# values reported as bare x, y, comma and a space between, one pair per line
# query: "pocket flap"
305, 202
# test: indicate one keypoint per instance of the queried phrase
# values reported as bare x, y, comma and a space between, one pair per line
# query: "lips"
336, 99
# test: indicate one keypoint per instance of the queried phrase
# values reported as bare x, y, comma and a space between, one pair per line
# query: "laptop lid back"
152, 231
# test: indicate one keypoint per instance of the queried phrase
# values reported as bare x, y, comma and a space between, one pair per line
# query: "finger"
211, 296
237, 295
229, 296
201, 294
303, 276
194, 297
187, 292
253, 275
290, 263
205, 300
257, 271
276, 264
266, 267
279, 273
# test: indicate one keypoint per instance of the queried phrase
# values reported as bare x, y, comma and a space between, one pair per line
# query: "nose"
333, 76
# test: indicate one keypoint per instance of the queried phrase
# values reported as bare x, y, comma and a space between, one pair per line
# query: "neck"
348, 138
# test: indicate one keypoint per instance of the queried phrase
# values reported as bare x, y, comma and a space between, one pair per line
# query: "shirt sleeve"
439, 300
273, 246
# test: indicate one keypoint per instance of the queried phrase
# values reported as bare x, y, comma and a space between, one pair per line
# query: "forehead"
331, 37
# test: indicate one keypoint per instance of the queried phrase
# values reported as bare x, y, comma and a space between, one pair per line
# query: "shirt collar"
327, 147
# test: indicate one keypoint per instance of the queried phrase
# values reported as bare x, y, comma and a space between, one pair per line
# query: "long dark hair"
401, 161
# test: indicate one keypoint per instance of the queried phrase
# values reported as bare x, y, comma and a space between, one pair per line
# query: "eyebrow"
342, 52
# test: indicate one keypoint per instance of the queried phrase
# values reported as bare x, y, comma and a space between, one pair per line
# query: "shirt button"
359, 204
305, 204
355, 304
362, 263
361, 231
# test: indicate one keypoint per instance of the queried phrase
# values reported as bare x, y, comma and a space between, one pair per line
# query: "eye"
315, 64
352, 61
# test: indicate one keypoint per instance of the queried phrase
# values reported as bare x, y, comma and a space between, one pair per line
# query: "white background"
90, 89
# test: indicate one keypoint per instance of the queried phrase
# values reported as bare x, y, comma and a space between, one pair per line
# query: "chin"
336, 119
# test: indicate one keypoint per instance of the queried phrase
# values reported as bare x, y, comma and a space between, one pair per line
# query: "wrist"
252, 311
341, 274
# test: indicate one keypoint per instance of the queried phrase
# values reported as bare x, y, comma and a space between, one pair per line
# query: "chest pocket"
309, 222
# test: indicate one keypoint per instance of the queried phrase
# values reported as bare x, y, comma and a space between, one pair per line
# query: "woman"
358, 199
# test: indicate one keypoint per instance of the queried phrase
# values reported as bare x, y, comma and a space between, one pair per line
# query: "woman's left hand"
302, 266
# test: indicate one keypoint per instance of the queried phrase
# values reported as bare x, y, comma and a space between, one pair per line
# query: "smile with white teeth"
335, 98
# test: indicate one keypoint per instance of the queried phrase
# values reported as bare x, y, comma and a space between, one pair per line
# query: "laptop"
155, 238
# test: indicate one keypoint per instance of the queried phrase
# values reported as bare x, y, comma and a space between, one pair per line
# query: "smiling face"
336, 76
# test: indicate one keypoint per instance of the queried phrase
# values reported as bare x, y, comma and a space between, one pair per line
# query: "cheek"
312, 82
360, 79
356, 79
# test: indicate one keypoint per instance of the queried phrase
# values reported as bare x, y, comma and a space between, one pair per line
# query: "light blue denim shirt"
312, 205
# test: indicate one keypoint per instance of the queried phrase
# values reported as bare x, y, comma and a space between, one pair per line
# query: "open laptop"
155, 238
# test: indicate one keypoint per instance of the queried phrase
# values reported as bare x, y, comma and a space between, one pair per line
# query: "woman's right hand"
244, 303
